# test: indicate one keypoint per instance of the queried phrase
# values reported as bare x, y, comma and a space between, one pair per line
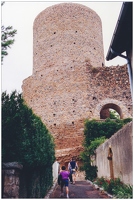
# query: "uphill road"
81, 189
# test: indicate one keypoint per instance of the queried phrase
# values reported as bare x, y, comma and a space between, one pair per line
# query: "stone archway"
105, 113
105, 104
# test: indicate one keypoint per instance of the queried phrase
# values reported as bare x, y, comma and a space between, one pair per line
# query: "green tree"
24, 136
114, 114
25, 139
7, 34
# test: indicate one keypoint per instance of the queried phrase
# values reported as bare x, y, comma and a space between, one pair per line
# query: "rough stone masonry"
70, 82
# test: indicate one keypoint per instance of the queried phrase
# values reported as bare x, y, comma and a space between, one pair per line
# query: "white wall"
122, 148
55, 170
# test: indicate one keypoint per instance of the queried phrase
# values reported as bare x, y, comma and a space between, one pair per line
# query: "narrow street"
82, 189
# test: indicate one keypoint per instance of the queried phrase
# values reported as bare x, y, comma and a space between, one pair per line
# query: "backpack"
59, 179
73, 166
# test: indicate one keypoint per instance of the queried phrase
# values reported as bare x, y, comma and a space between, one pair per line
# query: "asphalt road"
82, 189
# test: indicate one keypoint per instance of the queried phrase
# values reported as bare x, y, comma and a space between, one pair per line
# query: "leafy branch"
7, 34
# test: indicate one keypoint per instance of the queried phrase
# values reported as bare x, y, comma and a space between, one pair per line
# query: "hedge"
26, 139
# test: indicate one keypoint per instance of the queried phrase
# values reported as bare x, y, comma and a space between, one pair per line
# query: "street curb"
101, 189
55, 184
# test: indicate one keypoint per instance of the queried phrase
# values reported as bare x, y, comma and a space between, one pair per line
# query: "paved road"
82, 189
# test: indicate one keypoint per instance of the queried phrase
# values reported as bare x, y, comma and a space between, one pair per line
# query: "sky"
18, 65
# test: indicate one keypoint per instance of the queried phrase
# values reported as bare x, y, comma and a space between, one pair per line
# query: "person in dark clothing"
73, 167
70, 177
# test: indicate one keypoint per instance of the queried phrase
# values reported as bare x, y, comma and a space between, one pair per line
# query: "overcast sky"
18, 64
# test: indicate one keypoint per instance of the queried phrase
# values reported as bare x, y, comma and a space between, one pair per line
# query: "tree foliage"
114, 114
91, 171
25, 139
95, 143
7, 35
94, 129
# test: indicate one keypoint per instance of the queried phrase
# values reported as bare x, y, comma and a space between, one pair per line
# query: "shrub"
94, 129
115, 187
95, 143
123, 192
90, 171
127, 120
26, 139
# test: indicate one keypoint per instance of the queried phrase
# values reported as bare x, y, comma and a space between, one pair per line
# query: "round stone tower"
69, 84
66, 38
67, 33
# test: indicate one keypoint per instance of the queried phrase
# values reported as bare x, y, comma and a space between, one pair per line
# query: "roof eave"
119, 30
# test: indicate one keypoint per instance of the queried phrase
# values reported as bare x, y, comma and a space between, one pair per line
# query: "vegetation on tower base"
25, 139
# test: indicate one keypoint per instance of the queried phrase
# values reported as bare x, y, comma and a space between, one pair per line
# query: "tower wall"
69, 84
67, 33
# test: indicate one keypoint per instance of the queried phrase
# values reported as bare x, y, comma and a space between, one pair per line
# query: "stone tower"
69, 84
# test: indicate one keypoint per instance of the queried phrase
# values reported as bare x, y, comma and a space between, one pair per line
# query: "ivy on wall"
95, 133
25, 139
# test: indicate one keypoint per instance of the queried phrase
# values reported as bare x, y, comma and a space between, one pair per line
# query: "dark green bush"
94, 129
95, 143
25, 139
36, 180
127, 120
90, 170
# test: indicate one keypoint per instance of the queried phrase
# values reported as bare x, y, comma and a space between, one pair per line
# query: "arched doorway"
107, 108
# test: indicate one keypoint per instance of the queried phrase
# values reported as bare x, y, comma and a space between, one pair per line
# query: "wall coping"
12, 165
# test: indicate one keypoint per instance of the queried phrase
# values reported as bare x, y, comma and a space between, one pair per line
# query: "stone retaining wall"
10, 180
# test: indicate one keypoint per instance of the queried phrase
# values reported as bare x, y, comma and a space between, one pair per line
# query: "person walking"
73, 167
64, 180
